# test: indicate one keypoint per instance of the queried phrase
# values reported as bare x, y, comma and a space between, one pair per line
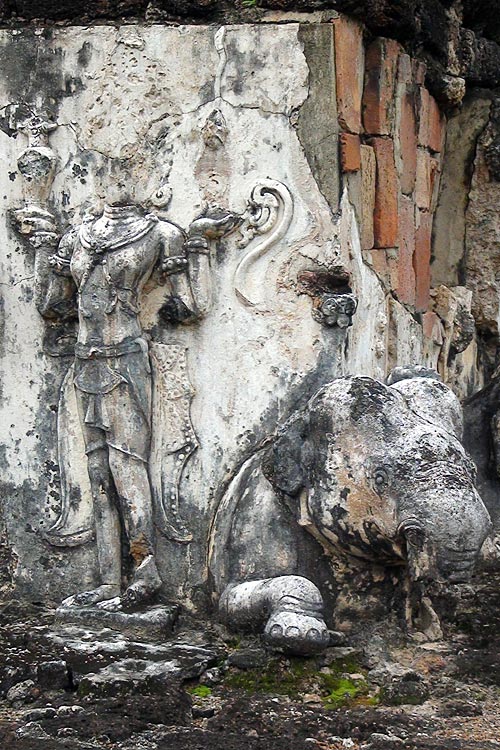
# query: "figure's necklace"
122, 225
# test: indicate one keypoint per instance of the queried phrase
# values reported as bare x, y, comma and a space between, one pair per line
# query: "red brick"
377, 259
431, 123
432, 327
349, 66
406, 274
419, 71
393, 266
423, 118
422, 261
384, 262
405, 72
380, 82
385, 216
350, 152
407, 131
423, 189
436, 126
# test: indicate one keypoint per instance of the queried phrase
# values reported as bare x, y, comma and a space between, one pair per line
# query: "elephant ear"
429, 397
285, 463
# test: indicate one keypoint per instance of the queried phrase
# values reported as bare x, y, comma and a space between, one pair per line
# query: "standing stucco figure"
104, 264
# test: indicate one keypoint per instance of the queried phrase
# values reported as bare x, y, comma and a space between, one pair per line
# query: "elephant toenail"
276, 630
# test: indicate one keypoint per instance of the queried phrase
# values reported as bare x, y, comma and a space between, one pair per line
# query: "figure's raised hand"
212, 227
35, 223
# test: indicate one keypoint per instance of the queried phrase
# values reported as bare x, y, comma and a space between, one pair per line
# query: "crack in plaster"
12, 284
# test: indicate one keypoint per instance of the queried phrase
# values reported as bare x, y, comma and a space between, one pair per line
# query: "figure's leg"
107, 527
133, 487
290, 607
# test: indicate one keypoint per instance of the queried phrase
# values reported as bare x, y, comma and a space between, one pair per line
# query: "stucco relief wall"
191, 118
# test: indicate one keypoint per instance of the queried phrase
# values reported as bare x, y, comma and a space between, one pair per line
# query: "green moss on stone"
296, 676
343, 692
200, 691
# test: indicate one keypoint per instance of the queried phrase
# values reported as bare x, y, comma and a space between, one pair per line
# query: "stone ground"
64, 687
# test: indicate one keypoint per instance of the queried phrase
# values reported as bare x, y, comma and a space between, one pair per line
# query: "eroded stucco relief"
164, 246
132, 396
189, 273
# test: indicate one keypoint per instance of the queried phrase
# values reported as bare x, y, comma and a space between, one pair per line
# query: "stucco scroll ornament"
268, 215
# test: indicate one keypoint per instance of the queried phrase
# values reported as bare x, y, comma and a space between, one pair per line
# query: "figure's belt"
96, 351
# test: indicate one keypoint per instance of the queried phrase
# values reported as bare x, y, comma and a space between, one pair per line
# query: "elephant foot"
288, 608
296, 633
89, 598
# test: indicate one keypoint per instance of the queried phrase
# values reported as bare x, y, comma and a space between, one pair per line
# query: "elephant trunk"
443, 540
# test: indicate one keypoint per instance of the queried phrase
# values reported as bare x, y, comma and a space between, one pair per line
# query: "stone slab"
154, 622
88, 650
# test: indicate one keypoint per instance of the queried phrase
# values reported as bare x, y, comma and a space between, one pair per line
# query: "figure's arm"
187, 261
180, 306
200, 246
58, 296
54, 287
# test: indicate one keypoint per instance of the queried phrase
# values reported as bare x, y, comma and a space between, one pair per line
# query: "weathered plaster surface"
134, 101
190, 117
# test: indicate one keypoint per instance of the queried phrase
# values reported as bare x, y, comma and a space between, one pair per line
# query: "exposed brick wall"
394, 120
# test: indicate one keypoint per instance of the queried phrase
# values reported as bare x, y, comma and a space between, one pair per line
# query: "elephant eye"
380, 479
415, 536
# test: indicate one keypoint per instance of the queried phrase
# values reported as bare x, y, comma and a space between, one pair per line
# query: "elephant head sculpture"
384, 479
374, 471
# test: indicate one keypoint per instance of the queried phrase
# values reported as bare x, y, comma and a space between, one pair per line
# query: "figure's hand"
34, 219
174, 264
213, 227
37, 225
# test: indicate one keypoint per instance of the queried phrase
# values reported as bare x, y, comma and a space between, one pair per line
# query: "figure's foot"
296, 632
145, 585
89, 598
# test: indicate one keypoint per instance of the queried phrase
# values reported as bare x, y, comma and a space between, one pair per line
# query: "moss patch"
343, 692
295, 677
200, 691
